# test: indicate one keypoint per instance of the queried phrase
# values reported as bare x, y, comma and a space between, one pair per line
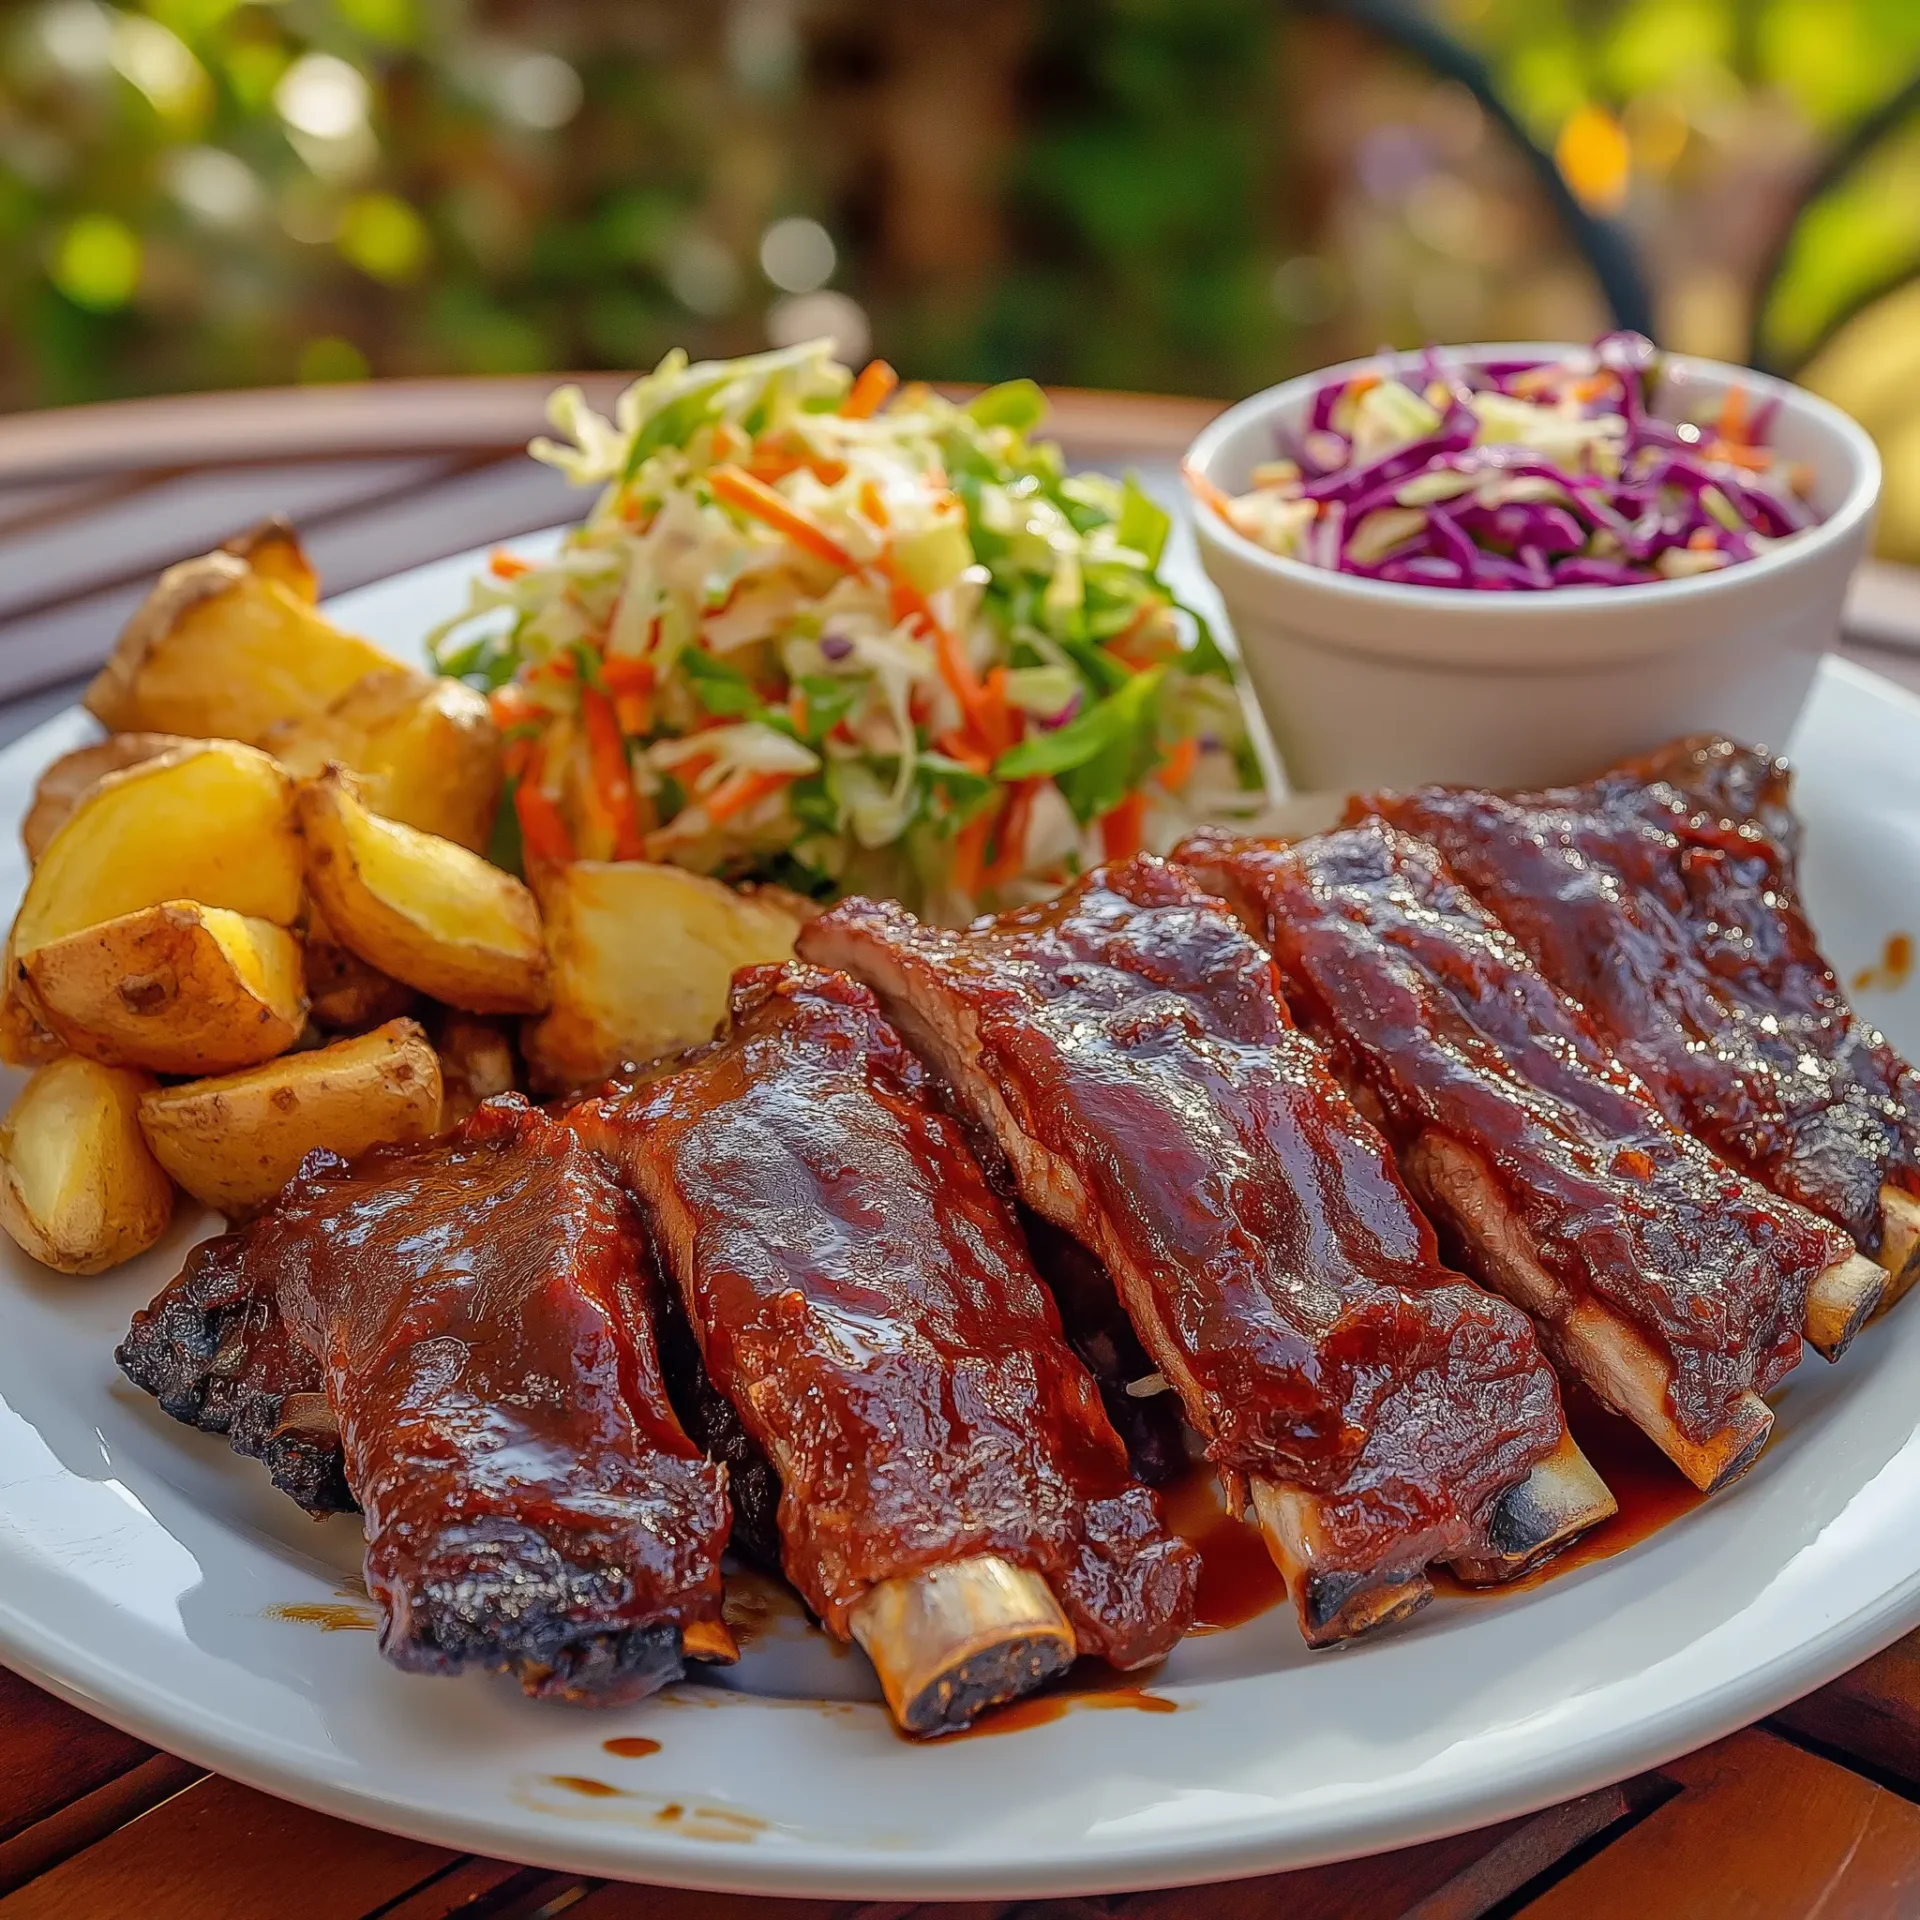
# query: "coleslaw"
822, 632
1520, 475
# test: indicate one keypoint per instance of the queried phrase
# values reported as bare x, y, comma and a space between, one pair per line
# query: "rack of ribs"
478, 1315
1668, 1283
1662, 896
1128, 1047
952, 1493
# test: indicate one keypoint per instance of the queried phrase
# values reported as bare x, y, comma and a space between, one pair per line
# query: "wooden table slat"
50, 1753
1760, 1827
273, 1859
148, 528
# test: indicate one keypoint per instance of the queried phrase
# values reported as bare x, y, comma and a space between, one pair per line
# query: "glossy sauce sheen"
1423, 997
1662, 896
863, 1297
481, 1311
1159, 1104
1238, 1580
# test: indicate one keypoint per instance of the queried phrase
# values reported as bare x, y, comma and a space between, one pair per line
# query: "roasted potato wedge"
273, 550
24, 1040
220, 650
419, 907
344, 994
177, 988
79, 1189
476, 1062
212, 821
641, 959
61, 786
425, 750
233, 1142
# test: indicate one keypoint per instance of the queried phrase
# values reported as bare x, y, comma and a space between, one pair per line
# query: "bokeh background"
1192, 196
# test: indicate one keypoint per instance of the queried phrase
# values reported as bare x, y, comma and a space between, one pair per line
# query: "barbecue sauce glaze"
1255, 1224
481, 1311
862, 1295
1662, 897
1423, 998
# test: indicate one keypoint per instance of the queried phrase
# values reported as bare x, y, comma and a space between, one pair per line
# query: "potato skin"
177, 988
234, 1141
425, 750
272, 548
219, 650
642, 956
418, 907
79, 1189
61, 786
211, 821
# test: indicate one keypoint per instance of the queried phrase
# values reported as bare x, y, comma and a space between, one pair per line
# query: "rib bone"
1601, 1347
955, 1640
1899, 1241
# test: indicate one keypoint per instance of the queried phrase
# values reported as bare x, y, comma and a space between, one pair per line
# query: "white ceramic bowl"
1369, 683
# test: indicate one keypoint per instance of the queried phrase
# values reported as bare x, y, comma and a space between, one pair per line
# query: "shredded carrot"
969, 852
634, 711
612, 777
872, 505
1009, 856
740, 489
624, 674
1360, 385
507, 566
958, 744
690, 769
1754, 459
511, 707
562, 666
738, 791
1593, 386
1122, 832
1180, 764
797, 710
729, 443
515, 757
870, 392
1206, 492
542, 830
999, 724
1701, 540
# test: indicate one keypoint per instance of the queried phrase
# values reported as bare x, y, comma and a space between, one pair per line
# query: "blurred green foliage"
1192, 195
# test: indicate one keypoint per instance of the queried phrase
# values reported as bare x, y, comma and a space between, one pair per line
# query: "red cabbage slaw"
1518, 476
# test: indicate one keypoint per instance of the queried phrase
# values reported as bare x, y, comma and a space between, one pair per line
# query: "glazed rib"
214, 1351
1662, 897
1645, 1260
480, 1312
863, 1298
1128, 1047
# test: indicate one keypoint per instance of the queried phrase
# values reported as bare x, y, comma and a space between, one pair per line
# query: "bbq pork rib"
479, 1313
214, 1351
1662, 897
1671, 1285
1128, 1047
952, 1493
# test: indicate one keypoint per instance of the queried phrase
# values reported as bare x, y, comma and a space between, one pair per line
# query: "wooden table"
1812, 1812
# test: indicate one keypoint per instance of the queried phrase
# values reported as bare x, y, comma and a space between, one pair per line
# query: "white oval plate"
142, 1567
